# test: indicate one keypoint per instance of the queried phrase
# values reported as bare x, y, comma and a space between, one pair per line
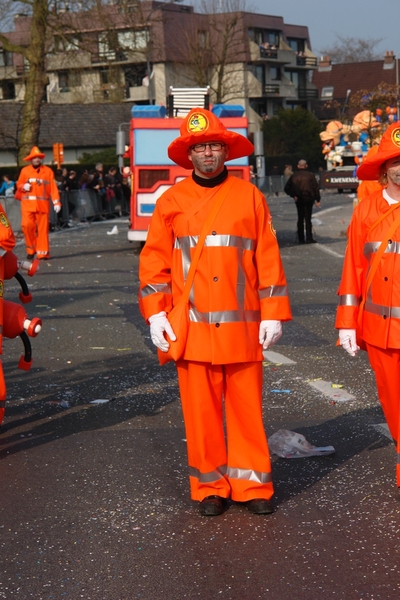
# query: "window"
327, 92
107, 45
6, 58
296, 77
134, 75
275, 73
258, 72
67, 43
68, 79
203, 39
7, 90
263, 36
296, 44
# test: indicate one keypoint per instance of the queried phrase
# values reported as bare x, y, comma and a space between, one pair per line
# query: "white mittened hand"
347, 338
26, 187
158, 324
57, 208
270, 332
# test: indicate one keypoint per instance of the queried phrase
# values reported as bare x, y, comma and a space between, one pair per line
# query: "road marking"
327, 210
328, 250
337, 394
277, 359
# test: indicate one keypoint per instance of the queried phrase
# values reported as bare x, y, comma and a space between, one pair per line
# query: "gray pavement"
95, 495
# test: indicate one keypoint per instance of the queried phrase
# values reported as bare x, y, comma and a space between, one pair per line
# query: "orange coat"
239, 280
7, 243
43, 189
381, 318
367, 188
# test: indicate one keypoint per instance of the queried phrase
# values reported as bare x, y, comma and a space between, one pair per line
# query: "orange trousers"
2, 394
239, 466
386, 366
35, 226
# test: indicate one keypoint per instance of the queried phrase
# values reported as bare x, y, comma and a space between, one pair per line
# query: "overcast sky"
368, 19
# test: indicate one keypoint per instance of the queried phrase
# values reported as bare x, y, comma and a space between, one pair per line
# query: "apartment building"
132, 51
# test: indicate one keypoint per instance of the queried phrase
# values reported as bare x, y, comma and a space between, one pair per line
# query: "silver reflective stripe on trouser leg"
249, 475
218, 473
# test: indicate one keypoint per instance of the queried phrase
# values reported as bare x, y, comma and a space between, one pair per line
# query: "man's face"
36, 161
392, 168
208, 163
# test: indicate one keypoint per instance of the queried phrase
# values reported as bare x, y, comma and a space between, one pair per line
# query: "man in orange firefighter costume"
7, 243
369, 294
36, 188
237, 302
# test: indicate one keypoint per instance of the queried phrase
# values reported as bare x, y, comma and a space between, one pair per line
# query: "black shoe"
312, 241
30, 256
260, 506
212, 506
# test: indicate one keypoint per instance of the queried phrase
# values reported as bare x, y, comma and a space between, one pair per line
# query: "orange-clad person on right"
368, 314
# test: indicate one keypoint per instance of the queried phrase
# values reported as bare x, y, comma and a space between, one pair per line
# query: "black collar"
212, 181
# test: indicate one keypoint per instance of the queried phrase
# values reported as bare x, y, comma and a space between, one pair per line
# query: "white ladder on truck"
181, 100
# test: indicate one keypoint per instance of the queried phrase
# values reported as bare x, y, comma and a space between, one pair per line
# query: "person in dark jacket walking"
303, 188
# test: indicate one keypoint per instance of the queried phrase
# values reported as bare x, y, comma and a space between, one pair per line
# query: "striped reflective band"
154, 288
208, 477
2, 403
371, 247
272, 291
34, 198
232, 473
216, 241
248, 475
2, 252
224, 316
382, 311
348, 300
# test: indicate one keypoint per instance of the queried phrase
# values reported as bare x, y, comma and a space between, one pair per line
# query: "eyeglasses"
214, 146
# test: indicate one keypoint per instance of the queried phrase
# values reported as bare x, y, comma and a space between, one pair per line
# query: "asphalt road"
94, 496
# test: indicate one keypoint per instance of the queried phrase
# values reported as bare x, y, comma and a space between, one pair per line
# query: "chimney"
325, 63
389, 60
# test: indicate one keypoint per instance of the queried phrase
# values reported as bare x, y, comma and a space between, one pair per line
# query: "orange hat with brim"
200, 126
34, 153
370, 168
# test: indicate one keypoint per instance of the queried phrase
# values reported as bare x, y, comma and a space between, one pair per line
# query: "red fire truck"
152, 172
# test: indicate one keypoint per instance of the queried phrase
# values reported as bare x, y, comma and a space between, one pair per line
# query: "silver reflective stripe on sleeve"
249, 475
154, 288
382, 311
348, 300
208, 477
2, 252
272, 291
225, 316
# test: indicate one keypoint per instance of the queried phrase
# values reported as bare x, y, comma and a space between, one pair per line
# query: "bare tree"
348, 49
215, 50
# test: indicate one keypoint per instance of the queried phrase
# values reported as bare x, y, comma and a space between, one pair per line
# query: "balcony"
309, 62
305, 93
281, 90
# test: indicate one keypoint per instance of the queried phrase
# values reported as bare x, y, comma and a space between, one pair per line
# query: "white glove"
270, 332
57, 208
26, 187
158, 324
347, 338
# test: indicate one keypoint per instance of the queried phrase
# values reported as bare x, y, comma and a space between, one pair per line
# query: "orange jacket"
381, 318
239, 280
7, 243
367, 188
43, 189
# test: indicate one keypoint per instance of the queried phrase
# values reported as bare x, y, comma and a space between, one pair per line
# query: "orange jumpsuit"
35, 207
239, 281
7, 242
380, 326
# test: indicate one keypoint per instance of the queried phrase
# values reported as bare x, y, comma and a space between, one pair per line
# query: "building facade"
134, 51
